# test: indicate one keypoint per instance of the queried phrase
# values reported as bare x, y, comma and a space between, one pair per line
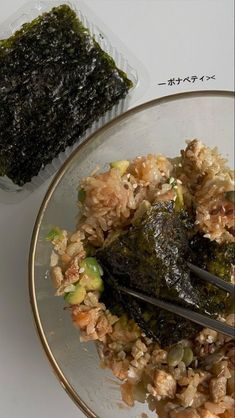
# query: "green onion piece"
230, 196
179, 201
81, 195
172, 181
53, 234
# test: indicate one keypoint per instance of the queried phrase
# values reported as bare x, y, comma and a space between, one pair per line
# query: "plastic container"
110, 44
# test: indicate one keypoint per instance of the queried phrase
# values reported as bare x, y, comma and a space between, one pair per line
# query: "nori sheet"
151, 257
55, 81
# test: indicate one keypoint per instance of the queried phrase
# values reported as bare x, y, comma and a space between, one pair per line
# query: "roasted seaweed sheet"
151, 257
55, 80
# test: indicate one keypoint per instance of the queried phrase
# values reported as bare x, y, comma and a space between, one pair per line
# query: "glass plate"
160, 126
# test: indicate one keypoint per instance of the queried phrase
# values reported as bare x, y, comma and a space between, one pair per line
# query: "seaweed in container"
55, 81
151, 257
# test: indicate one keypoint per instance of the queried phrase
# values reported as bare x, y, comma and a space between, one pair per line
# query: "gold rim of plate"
67, 164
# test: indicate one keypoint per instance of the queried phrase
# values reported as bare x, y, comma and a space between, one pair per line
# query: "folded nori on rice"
151, 257
55, 81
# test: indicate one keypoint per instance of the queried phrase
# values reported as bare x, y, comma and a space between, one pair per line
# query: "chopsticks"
200, 319
211, 278
193, 316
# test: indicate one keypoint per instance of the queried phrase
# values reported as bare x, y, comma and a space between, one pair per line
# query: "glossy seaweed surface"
151, 257
55, 81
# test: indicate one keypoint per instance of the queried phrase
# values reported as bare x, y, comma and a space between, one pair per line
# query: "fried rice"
111, 201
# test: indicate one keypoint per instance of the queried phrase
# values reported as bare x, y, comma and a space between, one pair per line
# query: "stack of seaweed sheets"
55, 81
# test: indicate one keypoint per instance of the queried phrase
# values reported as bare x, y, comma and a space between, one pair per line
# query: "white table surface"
172, 38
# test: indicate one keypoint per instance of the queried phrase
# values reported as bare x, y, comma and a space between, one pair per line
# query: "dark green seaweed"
218, 259
55, 81
160, 325
151, 257
214, 257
